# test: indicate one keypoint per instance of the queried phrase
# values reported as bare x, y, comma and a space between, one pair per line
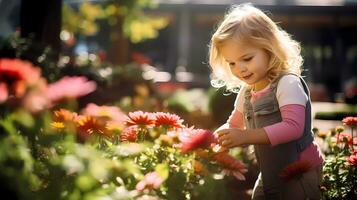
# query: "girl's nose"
242, 68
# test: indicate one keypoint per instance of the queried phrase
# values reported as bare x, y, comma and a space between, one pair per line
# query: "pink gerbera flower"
140, 118
110, 112
192, 139
343, 137
129, 134
295, 169
350, 121
352, 160
70, 88
230, 165
168, 120
151, 180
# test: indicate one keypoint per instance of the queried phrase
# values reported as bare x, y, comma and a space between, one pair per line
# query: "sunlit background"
173, 35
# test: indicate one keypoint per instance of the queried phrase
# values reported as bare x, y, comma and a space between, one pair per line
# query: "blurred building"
327, 30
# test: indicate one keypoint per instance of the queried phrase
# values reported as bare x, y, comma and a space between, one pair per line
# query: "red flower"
151, 180
350, 121
231, 166
352, 160
140, 118
192, 139
16, 76
129, 134
168, 120
140, 58
354, 152
70, 88
344, 138
295, 169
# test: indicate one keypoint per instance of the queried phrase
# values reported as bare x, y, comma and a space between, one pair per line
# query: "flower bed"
51, 149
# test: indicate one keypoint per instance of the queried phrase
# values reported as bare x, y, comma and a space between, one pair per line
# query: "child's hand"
230, 138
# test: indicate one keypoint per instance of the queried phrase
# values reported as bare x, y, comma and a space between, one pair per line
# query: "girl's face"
247, 62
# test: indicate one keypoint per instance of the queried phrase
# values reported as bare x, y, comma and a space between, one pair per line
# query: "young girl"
273, 108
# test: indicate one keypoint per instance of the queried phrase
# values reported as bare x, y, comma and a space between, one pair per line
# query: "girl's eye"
247, 59
231, 64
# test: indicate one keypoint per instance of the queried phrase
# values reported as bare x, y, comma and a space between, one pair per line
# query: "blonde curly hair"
247, 23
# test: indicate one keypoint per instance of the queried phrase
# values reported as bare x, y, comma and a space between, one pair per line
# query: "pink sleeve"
235, 120
290, 128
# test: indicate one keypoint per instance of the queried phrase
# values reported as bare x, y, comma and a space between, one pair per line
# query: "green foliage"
47, 153
17, 166
342, 112
339, 176
41, 162
127, 13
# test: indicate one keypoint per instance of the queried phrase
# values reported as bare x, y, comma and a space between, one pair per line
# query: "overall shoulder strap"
275, 82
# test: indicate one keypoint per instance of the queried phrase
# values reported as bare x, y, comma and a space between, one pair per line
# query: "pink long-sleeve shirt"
290, 128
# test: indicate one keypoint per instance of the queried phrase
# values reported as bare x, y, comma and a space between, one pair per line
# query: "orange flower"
350, 121
88, 125
63, 115
129, 134
168, 120
199, 168
295, 169
231, 166
63, 118
140, 118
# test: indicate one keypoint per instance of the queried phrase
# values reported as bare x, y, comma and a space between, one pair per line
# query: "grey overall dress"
273, 159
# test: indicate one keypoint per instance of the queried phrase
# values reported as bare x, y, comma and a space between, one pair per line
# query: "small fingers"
222, 132
223, 138
226, 143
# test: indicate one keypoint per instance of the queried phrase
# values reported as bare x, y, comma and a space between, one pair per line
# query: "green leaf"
8, 126
85, 182
24, 118
162, 170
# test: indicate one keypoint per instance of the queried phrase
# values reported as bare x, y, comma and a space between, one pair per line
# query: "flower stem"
353, 145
